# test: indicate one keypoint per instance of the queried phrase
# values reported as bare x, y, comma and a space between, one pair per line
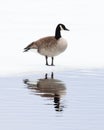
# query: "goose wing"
41, 43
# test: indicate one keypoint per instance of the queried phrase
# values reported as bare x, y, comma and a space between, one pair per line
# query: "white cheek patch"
61, 27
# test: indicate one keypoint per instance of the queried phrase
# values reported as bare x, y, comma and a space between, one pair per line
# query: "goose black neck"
57, 33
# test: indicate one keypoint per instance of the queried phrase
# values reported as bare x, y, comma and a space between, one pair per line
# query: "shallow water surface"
73, 99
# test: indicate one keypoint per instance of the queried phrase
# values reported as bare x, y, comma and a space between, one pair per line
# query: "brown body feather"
45, 42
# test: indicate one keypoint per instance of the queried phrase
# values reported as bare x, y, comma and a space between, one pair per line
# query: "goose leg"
52, 75
52, 61
46, 57
46, 76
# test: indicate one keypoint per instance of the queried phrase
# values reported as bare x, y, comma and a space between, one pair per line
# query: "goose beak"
67, 29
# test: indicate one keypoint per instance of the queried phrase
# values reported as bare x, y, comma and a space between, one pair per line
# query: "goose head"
58, 30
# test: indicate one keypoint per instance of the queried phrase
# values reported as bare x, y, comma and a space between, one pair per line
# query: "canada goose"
50, 46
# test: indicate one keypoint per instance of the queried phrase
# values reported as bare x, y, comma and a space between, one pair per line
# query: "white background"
24, 21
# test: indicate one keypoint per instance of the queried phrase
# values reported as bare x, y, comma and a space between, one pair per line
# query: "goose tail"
30, 46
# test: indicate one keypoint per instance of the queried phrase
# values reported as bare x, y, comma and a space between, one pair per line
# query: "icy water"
69, 100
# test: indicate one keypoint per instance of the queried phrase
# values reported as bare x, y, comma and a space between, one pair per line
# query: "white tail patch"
34, 50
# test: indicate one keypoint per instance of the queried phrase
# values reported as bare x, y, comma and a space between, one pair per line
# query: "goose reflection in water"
50, 88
